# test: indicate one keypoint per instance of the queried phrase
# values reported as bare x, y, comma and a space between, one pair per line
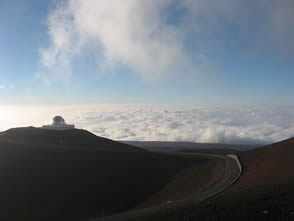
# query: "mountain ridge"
72, 138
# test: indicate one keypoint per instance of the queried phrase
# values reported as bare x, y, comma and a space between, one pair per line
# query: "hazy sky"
138, 51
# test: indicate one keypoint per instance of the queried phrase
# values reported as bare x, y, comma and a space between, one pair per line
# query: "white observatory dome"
58, 123
58, 120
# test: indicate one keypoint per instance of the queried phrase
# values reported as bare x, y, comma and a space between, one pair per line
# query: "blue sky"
169, 51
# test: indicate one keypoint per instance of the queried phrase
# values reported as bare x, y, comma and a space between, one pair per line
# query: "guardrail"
236, 158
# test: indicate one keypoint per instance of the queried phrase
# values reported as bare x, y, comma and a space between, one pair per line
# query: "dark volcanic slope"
71, 138
273, 165
265, 191
75, 175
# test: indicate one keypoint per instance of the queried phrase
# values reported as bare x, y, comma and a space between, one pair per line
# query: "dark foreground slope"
75, 175
265, 191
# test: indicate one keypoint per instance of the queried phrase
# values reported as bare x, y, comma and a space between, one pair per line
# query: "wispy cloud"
208, 124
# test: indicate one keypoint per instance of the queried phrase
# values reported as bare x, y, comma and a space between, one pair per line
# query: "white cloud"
133, 33
208, 124
139, 34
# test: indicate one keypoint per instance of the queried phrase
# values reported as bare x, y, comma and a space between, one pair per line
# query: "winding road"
233, 170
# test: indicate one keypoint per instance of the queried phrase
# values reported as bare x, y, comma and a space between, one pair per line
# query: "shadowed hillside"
75, 175
71, 138
265, 191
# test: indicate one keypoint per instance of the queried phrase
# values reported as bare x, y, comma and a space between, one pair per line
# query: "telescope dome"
58, 123
57, 120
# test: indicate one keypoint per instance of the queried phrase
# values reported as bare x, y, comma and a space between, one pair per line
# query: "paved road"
233, 170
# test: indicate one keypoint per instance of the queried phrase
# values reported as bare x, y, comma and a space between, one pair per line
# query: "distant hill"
165, 146
75, 175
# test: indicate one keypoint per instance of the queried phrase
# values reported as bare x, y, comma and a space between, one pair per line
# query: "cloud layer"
206, 124
133, 34
154, 37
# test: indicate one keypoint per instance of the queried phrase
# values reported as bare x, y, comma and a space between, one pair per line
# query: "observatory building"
58, 123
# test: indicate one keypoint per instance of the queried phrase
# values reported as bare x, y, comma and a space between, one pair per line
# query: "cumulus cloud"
133, 33
205, 124
151, 37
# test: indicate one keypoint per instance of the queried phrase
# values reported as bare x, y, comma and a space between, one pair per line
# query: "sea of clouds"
205, 124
